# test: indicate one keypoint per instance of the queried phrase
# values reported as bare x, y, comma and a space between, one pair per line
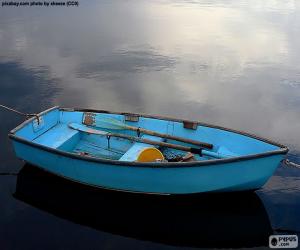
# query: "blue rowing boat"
145, 153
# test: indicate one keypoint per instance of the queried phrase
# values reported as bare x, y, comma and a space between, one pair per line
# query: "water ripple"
123, 62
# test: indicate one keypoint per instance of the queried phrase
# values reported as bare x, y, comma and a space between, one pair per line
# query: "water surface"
230, 63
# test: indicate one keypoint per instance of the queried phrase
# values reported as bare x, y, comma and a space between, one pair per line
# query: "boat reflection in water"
206, 220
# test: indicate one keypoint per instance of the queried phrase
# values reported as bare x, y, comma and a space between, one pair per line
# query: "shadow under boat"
206, 220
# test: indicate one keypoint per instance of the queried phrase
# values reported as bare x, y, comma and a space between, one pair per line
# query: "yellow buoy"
150, 155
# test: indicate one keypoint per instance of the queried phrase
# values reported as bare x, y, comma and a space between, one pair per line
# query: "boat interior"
52, 129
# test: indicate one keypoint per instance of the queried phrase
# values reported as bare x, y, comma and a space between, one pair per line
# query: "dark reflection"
214, 220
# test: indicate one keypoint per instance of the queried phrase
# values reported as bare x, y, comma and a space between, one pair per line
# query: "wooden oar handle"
190, 141
161, 144
171, 137
196, 151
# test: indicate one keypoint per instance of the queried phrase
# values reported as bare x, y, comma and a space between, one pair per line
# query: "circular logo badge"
274, 242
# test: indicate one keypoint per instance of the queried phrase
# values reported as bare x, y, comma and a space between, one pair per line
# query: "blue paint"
50, 120
176, 178
60, 137
85, 147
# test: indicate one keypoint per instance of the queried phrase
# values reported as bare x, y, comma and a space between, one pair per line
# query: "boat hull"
239, 175
247, 163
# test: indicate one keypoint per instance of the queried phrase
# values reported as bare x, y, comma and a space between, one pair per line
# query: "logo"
283, 241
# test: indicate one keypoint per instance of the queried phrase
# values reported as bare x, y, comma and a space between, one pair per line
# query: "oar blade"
86, 129
109, 123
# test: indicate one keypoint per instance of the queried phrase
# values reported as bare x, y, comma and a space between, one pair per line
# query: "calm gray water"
230, 63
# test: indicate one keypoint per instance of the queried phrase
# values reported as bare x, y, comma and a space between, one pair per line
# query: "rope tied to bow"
27, 115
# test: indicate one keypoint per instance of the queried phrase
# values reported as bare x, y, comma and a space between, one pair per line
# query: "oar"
88, 130
110, 123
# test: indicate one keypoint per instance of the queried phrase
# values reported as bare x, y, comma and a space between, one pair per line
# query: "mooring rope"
291, 164
8, 173
27, 115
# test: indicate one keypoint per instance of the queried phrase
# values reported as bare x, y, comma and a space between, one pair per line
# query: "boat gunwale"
283, 149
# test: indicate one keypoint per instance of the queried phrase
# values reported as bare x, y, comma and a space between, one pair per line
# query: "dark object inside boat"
181, 158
